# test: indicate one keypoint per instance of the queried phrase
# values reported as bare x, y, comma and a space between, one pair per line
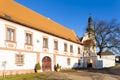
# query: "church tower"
89, 46
90, 33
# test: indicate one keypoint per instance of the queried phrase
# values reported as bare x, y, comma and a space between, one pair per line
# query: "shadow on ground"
111, 71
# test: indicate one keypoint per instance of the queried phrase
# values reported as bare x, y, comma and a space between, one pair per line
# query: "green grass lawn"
62, 75
38, 76
33, 76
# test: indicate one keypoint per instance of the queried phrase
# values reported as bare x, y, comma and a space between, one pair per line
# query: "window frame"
71, 48
19, 59
68, 61
65, 47
55, 45
9, 35
78, 50
45, 42
28, 38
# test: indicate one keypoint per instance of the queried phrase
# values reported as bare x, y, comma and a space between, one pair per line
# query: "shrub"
58, 66
37, 67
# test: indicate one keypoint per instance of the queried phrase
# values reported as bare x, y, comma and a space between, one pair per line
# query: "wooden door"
46, 64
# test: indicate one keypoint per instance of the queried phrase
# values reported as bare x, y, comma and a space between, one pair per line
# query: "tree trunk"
99, 53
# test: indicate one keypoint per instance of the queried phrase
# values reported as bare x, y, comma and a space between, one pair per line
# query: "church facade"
27, 38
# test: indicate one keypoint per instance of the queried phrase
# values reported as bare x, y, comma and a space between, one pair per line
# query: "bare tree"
107, 35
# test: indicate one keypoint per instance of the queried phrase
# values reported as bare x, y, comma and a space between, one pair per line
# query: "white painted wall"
2, 34
37, 35
62, 61
108, 61
30, 58
9, 57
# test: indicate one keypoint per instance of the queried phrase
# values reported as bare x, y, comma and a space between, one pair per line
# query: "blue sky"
74, 14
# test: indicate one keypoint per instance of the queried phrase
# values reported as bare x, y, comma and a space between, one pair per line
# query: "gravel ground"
87, 74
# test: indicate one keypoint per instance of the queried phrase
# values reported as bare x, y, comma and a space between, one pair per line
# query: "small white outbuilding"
107, 60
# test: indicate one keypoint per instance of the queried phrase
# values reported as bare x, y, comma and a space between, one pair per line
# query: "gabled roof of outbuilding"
13, 11
107, 53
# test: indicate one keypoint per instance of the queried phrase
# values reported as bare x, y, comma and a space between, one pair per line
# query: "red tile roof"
18, 13
107, 53
88, 42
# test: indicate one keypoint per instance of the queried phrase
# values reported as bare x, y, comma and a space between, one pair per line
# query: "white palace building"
27, 38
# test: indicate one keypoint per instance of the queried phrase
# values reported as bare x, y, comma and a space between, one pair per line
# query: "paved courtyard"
89, 74
83, 74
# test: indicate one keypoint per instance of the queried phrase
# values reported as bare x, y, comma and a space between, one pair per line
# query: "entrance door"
89, 63
46, 64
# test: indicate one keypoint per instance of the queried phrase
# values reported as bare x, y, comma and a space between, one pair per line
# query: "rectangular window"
78, 50
71, 48
55, 45
65, 47
19, 59
45, 42
68, 61
10, 34
28, 38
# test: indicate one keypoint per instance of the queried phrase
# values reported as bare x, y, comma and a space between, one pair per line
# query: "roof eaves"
5, 18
